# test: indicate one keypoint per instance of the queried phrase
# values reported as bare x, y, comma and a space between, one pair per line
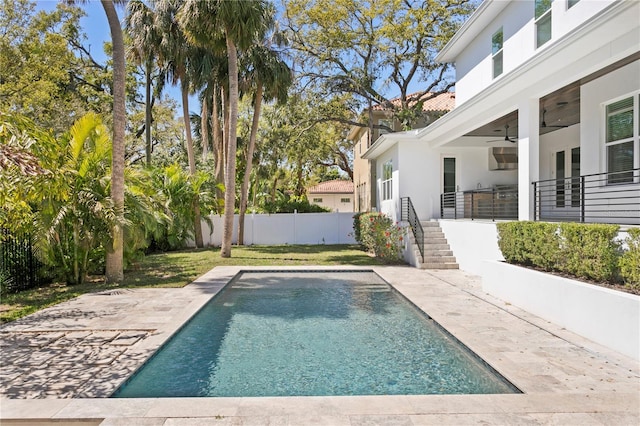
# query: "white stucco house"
545, 127
335, 195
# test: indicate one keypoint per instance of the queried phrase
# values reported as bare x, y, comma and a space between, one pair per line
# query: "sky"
96, 28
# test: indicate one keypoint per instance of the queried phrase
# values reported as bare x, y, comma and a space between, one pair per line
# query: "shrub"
529, 243
356, 228
379, 235
589, 250
630, 260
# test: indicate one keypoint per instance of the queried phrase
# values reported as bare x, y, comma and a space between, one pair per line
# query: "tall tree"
270, 77
141, 27
371, 48
241, 24
114, 271
176, 55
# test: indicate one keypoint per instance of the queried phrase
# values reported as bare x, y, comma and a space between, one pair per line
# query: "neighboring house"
364, 169
546, 124
335, 195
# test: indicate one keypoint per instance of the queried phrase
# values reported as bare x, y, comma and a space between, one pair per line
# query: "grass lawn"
179, 268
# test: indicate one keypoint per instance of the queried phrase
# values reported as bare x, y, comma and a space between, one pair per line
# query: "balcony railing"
408, 214
598, 198
498, 202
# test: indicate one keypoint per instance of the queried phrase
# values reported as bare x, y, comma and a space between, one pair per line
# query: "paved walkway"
61, 364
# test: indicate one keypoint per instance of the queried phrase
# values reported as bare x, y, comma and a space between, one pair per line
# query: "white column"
528, 155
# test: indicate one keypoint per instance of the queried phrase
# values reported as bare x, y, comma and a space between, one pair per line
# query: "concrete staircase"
437, 253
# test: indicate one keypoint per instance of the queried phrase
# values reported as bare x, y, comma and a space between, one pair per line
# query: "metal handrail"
408, 214
485, 203
600, 197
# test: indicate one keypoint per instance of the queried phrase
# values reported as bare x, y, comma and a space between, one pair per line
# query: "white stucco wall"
472, 242
593, 96
421, 177
333, 201
474, 64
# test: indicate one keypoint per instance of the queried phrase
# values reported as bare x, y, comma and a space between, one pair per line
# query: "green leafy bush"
583, 250
630, 260
380, 235
589, 250
529, 243
356, 228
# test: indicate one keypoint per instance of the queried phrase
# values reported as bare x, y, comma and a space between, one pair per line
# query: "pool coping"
564, 377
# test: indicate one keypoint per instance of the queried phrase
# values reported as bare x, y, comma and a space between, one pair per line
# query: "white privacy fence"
286, 228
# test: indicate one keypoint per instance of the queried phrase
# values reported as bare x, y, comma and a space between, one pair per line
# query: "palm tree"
141, 28
240, 24
114, 271
176, 55
272, 78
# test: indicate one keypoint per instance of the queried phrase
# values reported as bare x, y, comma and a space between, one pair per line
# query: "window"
496, 52
543, 21
621, 140
317, 200
571, 3
387, 172
345, 200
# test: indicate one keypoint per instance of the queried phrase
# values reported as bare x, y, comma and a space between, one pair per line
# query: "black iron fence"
498, 202
408, 214
20, 264
599, 198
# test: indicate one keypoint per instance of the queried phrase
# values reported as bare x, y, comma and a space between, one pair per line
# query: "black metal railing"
20, 265
498, 202
408, 214
599, 198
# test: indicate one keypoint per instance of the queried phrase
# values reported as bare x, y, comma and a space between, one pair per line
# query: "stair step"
431, 241
434, 247
438, 253
433, 235
429, 224
439, 266
439, 259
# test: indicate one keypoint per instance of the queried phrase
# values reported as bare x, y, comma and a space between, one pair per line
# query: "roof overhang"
387, 141
478, 21
599, 42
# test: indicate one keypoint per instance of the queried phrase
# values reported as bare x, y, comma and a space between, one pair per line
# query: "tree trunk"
218, 142
115, 250
244, 192
147, 112
230, 172
192, 163
204, 126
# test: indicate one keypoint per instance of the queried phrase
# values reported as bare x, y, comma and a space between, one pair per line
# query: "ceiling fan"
543, 124
506, 136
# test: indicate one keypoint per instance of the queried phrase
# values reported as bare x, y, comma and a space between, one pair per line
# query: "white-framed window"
317, 200
543, 21
387, 173
622, 138
345, 200
571, 3
496, 51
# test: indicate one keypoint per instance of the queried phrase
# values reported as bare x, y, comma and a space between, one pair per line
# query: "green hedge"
583, 250
630, 259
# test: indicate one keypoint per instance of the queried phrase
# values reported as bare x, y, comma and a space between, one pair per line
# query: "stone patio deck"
60, 365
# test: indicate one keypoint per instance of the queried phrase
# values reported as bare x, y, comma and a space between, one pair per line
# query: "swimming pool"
311, 333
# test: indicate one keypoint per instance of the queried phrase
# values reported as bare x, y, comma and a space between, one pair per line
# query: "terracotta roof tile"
442, 102
332, 186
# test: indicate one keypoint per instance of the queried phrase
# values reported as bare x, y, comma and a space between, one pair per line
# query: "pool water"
311, 333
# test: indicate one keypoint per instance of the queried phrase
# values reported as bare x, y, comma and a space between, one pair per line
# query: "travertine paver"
55, 364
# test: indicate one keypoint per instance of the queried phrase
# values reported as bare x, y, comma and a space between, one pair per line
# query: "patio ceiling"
558, 110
